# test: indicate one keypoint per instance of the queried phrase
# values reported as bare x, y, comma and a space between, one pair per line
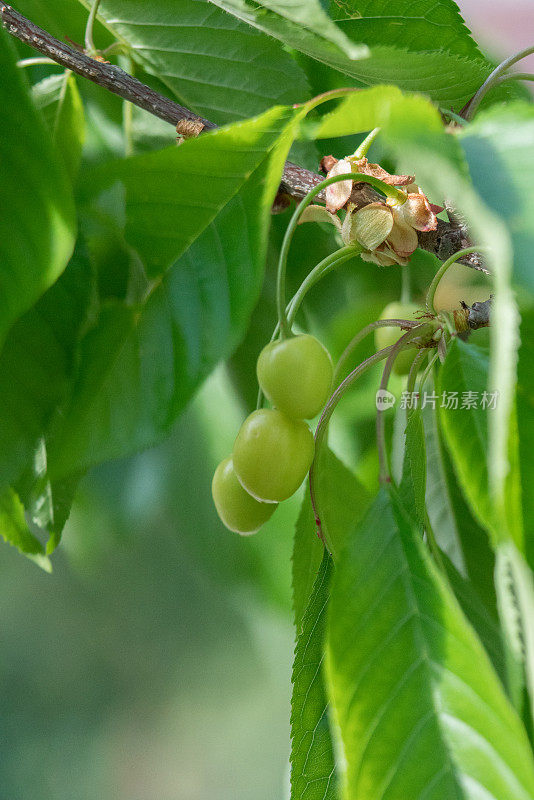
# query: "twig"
296, 181
492, 80
90, 48
107, 75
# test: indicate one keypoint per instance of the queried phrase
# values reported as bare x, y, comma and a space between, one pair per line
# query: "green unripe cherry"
295, 375
237, 509
272, 454
385, 337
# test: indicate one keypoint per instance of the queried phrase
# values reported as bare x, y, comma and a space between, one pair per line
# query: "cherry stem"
90, 48
33, 62
353, 344
323, 268
515, 76
384, 474
412, 375
429, 302
362, 150
390, 191
325, 97
426, 373
322, 427
493, 80
455, 117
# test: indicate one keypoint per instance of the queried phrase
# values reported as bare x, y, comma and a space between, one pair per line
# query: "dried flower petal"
383, 256
327, 162
387, 252
362, 165
338, 193
403, 238
315, 213
370, 225
416, 212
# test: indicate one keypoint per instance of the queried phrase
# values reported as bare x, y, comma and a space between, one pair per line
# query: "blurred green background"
155, 661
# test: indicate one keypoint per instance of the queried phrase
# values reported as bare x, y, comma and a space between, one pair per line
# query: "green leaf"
308, 15
465, 373
58, 17
515, 591
402, 23
420, 709
46, 502
59, 100
341, 501
312, 756
212, 63
462, 538
164, 215
140, 366
307, 554
413, 483
525, 421
446, 77
369, 108
498, 149
438, 164
440, 167
37, 365
478, 615
37, 223
15, 531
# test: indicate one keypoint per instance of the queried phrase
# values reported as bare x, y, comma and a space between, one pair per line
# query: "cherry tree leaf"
164, 215
312, 755
342, 500
466, 428
497, 147
15, 531
59, 100
446, 76
210, 61
141, 364
420, 709
401, 23
37, 222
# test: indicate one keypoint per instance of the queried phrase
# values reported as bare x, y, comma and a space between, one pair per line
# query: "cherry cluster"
274, 448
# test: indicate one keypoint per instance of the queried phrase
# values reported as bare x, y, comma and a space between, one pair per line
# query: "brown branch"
479, 314
107, 75
296, 181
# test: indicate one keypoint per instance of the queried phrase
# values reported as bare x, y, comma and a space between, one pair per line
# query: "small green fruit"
296, 375
272, 454
385, 337
237, 509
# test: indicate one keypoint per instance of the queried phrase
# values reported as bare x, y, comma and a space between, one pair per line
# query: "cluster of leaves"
125, 280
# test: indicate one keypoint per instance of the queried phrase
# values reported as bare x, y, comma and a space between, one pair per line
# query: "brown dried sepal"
189, 128
326, 164
376, 171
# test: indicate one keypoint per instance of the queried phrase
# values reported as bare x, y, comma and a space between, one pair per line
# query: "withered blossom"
386, 229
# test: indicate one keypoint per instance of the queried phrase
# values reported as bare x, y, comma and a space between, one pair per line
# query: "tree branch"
107, 75
296, 181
